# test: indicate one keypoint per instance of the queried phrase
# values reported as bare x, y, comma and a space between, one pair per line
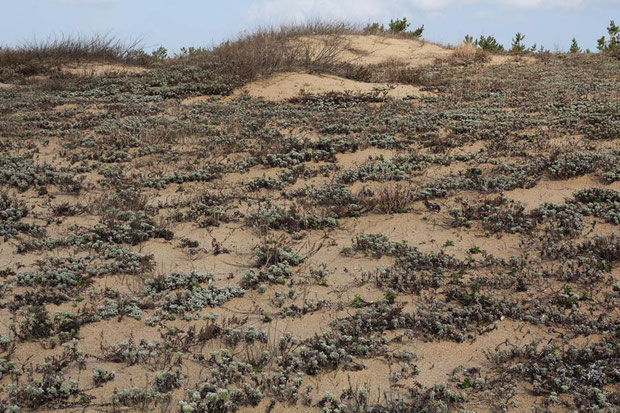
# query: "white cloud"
352, 10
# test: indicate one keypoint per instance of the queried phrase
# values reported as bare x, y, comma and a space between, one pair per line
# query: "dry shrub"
614, 52
36, 57
67, 48
53, 81
465, 51
468, 53
398, 71
389, 199
125, 200
272, 49
395, 198
394, 70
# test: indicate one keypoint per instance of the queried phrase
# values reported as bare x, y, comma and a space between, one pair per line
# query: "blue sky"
173, 24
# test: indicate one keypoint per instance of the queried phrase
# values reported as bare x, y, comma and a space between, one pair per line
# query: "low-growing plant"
101, 375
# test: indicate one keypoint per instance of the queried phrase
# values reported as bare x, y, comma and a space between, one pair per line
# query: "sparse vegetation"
172, 241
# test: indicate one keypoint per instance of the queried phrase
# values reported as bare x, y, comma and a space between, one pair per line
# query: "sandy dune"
371, 49
365, 50
287, 85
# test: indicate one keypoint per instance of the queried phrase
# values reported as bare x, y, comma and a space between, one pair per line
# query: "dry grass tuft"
273, 49
389, 199
466, 53
39, 57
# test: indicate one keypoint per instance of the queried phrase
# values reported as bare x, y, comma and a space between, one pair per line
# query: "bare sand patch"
555, 190
66, 106
375, 50
101, 68
372, 49
287, 85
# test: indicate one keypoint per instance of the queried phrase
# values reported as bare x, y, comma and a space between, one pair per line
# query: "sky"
177, 23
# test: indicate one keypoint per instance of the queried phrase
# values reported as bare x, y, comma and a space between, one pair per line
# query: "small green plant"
568, 299
357, 301
456, 277
390, 296
101, 375
448, 243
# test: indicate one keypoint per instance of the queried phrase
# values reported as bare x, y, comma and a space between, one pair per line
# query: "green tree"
191, 51
416, 33
161, 53
574, 47
488, 43
614, 38
400, 26
517, 43
374, 28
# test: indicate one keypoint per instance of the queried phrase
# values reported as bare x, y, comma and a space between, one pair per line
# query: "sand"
429, 230
287, 85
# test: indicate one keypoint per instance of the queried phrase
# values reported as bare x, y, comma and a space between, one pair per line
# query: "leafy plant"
101, 375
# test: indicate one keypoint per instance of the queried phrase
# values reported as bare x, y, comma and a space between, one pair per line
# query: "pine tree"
614, 38
517, 43
488, 43
574, 47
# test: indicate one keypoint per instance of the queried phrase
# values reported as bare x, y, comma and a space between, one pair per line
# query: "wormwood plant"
12, 210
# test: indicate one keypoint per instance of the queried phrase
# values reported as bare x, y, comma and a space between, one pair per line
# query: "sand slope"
372, 50
365, 50
287, 85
